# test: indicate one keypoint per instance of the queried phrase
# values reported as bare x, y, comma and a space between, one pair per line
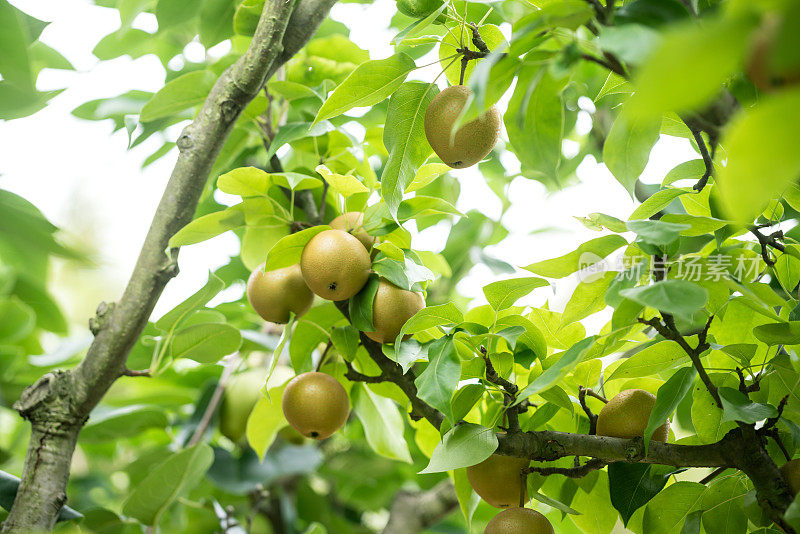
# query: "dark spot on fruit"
456, 163
332, 286
314, 434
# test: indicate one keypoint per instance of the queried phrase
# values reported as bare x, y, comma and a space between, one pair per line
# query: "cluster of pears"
472, 141
498, 481
335, 265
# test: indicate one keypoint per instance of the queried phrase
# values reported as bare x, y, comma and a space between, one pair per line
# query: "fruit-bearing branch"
59, 403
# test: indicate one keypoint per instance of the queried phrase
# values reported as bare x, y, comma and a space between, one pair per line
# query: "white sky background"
85, 180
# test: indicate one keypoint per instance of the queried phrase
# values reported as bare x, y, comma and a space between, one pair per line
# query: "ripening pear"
353, 223
273, 294
497, 480
627, 414
241, 395
335, 265
472, 141
315, 404
791, 472
391, 308
519, 521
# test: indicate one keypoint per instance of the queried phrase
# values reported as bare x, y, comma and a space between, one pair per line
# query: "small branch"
713, 474
131, 372
392, 372
571, 472
478, 41
599, 10
324, 355
604, 63
766, 241
772, 421
668, 330
510, 391
582, 391
216, 397
707, 159
355, 376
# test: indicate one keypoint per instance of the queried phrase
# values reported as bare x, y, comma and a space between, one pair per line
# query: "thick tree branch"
413, 512
58, 404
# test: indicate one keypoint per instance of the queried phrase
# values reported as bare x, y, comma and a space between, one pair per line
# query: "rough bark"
59, 404
413, 512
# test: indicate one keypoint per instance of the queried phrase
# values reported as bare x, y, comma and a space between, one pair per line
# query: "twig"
216, 397
510, 391
582, 391
707, 159
355, 376
571, 472
324, 354
713, 474
668, 330
131, 372
766, 241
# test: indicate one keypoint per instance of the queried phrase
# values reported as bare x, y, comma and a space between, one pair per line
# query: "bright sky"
85, 180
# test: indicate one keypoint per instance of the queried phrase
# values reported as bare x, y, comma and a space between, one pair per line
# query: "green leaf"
345, 340
426, 175
760, 138
737, 407
724, 506
245, 182
173, 12
667, 511
431, 316
651, 360
383, 423
407, 275
535, 123
216, 21
565, 363
14, 61
346, 184
633, 485
436, 384
421, 205
360, 306
169, 480
206, 343
208, 226
656, 202
588, 298
628, 145
584, 256
778, 333
265, 420
404, 137
657, 232
17, 320
288, 250
668, 396
369, 84
292, 131
123, 422
468, 500
182, 93
707, 53
407, 353
464, 445
697, 226
677, 297
505, 293
169, 320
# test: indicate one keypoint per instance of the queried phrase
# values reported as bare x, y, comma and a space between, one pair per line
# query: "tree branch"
571, 472
59, 403
766, 241
707, 158
412, 513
